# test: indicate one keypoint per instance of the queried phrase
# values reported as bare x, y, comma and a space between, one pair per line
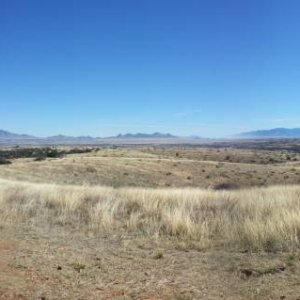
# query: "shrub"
4, 161
225, 186
40, 157
91, 169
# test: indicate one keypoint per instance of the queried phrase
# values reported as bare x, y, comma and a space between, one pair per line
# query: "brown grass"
255, 219
160, 167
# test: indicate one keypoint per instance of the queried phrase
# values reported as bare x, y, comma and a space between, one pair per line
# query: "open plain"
216, 221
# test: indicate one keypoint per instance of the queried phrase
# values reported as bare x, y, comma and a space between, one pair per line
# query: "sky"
210, 68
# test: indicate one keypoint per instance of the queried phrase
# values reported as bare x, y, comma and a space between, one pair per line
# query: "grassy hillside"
161, 167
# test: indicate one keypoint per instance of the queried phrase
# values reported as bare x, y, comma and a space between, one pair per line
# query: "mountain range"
155, 135
272, 133
7, 137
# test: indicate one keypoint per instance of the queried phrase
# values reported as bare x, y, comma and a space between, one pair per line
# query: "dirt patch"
7, 245
122, 267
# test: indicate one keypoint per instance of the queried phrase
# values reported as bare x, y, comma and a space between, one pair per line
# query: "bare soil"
55, 263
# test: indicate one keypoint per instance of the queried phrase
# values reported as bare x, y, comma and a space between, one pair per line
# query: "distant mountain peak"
9, 135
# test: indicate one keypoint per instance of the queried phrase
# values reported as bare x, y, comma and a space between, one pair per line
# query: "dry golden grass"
255, 219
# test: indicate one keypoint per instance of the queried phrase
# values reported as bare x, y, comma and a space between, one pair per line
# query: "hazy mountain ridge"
7, 134
61, 137
7, 137
144, 135
272, 133
10, 137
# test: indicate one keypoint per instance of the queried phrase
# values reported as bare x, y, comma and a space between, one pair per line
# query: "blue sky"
203, 67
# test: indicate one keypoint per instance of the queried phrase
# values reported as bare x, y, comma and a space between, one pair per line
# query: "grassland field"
152, 222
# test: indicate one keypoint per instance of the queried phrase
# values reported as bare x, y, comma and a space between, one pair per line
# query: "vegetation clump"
40, 154
4, 161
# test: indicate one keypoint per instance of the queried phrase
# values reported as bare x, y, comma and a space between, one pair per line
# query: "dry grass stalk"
255, 219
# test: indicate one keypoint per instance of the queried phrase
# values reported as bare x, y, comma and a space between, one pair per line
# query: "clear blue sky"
205, 67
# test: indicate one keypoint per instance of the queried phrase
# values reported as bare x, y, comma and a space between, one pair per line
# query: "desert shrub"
91, 169
4, 161
225, 186
53, 153
81, 150
40, 157
39, 153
